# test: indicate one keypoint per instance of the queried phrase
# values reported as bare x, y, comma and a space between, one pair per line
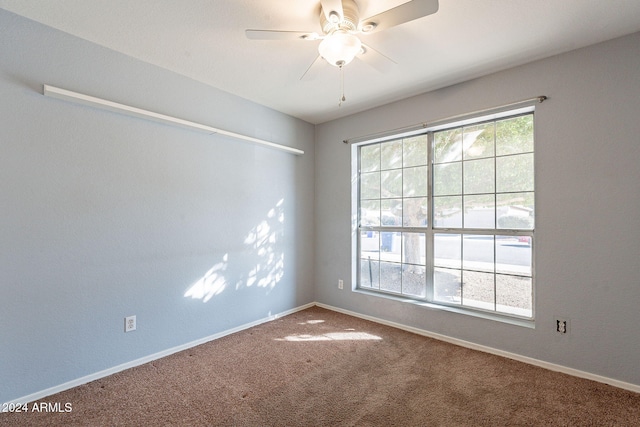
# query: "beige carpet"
321, 368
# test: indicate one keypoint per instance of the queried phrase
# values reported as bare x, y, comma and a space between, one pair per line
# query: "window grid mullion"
429, 235
495, 217
402, 242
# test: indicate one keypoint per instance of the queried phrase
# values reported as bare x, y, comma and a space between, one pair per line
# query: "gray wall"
104, 216
587, 237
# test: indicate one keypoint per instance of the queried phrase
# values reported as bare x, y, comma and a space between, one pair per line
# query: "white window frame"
429, 230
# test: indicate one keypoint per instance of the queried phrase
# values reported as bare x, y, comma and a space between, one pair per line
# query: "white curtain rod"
55, 92
419, 126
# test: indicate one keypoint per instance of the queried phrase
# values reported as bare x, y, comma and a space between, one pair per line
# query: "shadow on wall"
264, 241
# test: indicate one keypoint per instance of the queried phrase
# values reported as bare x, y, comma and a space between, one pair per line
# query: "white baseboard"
101, 374
541, 363
105, 373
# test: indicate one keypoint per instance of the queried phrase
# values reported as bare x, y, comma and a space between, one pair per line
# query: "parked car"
525, 239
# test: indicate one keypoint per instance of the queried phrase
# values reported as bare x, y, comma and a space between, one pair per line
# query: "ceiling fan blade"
312, 71
377, 60
280, 35
329, 6
399, 15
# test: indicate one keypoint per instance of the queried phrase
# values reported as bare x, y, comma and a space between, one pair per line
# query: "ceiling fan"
341, 24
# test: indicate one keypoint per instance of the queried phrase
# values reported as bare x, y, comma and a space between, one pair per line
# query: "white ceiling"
205, 40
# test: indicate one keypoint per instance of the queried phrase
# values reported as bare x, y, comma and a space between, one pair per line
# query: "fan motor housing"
349, 22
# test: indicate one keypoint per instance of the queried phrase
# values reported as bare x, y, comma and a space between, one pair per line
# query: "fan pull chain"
342, 98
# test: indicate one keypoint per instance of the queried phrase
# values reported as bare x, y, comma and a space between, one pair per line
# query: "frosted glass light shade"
339, 48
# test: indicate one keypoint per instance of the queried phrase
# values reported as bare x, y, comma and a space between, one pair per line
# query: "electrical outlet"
340, 284
562, 326
130, 323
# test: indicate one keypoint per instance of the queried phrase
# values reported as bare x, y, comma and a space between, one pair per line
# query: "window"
447, 216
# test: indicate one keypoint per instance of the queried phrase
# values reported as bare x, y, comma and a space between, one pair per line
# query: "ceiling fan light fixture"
368, 27
334, 17
339, 48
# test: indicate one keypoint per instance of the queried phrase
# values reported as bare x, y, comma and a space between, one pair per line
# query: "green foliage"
514, 135
370, 158
478, 141
515, 222
414, 151
448, 146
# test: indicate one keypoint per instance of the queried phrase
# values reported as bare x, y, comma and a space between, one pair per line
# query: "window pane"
479, 176
370, 158
447, 250
478, 290
390, 277
414, 182
369, 273
415, 151
370, 185
514, 135
514, 173
370, 245
390, 246
391, 184
514, 295
478, 141
370, 213
477, 252
448, 146
513, 255
391, 155
369, 258
447, 285
414, 212
447, 179
413, 248
391, 212
515, 211
479, 211
447, 212
414, 280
